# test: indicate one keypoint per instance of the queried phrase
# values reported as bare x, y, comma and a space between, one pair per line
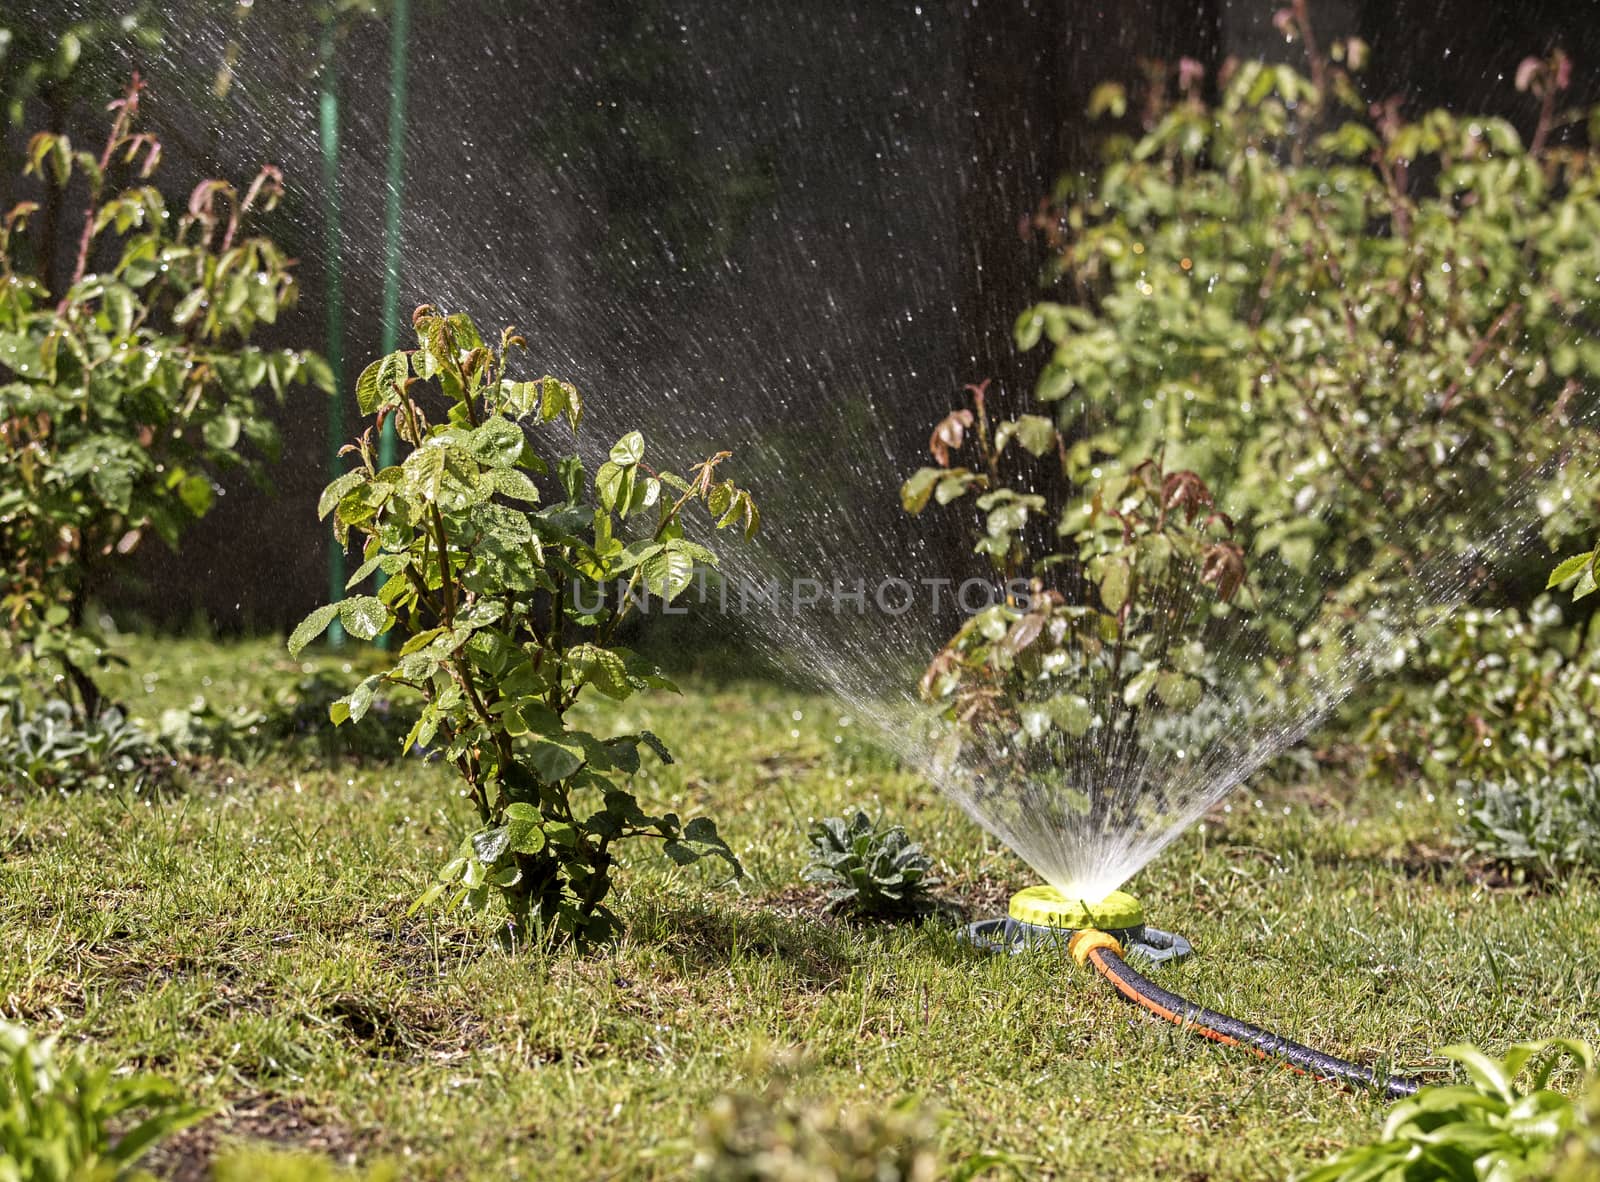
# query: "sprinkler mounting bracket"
1012, 936
1043, 916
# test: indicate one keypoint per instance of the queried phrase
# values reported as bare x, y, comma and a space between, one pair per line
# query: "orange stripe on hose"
1161, 1011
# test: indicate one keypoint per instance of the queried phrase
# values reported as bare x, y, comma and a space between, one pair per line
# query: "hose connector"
1086, 940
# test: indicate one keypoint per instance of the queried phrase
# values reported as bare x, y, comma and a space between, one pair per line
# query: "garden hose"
1090, 947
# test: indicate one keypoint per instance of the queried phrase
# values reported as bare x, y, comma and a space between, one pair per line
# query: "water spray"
1101, 935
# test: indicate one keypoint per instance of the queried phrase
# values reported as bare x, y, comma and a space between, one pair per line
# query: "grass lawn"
247, 938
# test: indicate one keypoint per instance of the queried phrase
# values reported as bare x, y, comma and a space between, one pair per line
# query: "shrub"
1361, 327
1493, 695
64, 1121
503, 619
1113, 598
1491, 1127
870, 868
1364, 330
129, 392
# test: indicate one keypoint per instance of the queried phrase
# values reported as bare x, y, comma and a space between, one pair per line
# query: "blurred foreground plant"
276, 1165
500, 602
775, 1136
772, 1139
1505, 1123
64, 1121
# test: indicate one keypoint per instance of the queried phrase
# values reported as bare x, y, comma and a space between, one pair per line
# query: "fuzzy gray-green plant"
1546, 825
49, 747
870, 868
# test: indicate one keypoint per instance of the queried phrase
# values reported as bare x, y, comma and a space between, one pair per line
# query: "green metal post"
399, 38
394, 179
329, 137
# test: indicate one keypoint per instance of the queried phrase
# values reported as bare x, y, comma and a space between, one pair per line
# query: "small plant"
1544, 826
1490, 1128
64, 1121
494, 596
128, 392
50, 748
870, 868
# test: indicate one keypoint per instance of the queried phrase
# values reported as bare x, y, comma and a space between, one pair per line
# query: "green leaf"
628, 450
1568, 567
1072, 713
189, 306
1114, 585
425, 467
196, 493
363, 616
668, 573
514, 483
553, 762
561, 398
649, 739
1487, 1073
497, 443
569, 470
608, 484
1028, 328
489, 845
914, 493
337, 489
312, 627
524, 828
377, 385
1036, 433
1139, 686
601, 668
1178, 691
427, 898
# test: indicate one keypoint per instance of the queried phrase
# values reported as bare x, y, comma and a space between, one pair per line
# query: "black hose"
1231, 1031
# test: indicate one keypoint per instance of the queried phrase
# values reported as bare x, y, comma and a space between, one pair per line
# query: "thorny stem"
126, 107
1479, 348
1547, 109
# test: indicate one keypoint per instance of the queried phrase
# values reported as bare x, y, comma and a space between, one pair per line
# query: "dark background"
697, 189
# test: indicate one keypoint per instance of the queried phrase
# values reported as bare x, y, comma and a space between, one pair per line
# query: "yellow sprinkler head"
1046, 907
1043, 916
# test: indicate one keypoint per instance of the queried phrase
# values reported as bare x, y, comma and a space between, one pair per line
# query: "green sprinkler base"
1042, 915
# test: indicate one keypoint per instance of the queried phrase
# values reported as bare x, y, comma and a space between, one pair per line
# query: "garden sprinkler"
1098, 936
1043, 915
